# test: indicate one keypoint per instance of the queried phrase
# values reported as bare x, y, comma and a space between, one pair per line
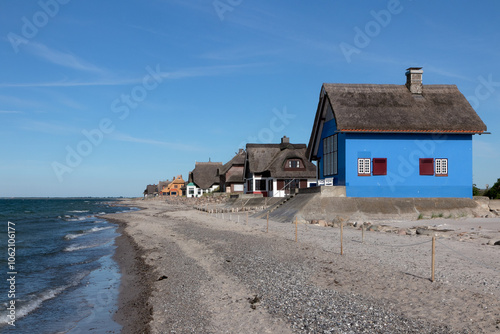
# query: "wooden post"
341, 238
247, 218
296, 230
433, 261
267, 228
362, 234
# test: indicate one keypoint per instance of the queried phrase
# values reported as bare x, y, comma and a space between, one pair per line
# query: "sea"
57, 273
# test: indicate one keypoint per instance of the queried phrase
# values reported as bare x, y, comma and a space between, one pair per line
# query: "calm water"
65, 278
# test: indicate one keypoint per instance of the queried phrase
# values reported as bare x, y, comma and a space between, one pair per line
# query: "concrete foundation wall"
308, 206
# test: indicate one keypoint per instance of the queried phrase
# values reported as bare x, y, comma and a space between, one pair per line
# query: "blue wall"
403, 152
329, 129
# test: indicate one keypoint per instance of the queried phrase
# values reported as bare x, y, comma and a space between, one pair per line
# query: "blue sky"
101, 98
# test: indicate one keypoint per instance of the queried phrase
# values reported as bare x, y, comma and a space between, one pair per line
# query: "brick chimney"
285, 140
414, 80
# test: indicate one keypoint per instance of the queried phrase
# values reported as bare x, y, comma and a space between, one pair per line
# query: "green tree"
494, 191
476, 191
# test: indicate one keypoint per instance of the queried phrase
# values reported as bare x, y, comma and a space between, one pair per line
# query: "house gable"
277, 169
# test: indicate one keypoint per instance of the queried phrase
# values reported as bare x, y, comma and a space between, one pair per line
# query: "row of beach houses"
368, 140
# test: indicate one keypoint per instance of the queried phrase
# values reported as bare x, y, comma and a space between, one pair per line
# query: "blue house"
409, 140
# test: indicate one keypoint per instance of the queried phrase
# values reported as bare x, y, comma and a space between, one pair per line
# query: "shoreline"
133, 309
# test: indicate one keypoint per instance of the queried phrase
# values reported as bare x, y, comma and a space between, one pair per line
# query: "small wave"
72, 236
79, 211
78, 218
37, 299
97, 229
80, 247
75, 219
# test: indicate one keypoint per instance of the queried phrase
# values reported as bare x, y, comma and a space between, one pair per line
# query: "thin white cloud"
200, 6
175, 146
241, 52
65, 83
149, 30
53, 128
19, 103
177, 74
447, 73
61, 58
10, 112
207, 71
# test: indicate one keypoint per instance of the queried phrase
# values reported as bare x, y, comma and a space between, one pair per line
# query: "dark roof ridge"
263, 145
207, 163
280, 146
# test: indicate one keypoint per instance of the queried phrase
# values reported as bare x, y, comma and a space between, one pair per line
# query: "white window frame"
441, 167
364, 166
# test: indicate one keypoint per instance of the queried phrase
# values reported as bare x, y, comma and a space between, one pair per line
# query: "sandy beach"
186, 271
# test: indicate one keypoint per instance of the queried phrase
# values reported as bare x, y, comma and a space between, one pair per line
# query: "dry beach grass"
192, 272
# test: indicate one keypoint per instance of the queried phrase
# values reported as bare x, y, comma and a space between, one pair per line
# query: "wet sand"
134, 310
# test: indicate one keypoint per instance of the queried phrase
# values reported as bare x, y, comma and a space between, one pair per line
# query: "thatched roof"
233, 171
393, 108
151, 189
270, 159
237, 177
369, 108
205, 174
237, 160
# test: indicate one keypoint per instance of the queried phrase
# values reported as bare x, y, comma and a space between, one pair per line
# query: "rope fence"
234, 216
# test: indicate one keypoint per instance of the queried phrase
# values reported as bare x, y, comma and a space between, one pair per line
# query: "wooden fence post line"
267, 228
341, 238
296, 229
433, 261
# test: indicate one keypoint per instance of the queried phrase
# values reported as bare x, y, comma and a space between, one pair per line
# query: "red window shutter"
379, 166
426, 166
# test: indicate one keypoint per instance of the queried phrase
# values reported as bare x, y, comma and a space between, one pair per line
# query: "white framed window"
330, 155
441, 167
364, 167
